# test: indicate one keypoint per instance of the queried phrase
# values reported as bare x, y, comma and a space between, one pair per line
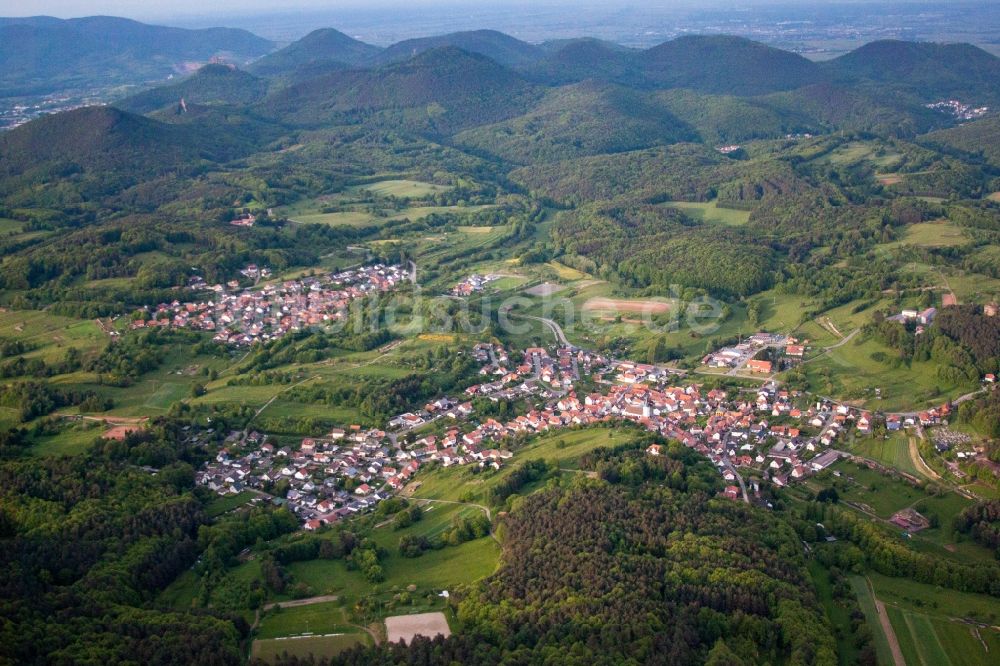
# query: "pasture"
711, 212
940, 233
853, 371
268, 650
894, 452
323, 618
408, 189
936, 641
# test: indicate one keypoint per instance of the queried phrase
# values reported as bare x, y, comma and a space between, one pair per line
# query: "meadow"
711, 212
408, 189
268, 650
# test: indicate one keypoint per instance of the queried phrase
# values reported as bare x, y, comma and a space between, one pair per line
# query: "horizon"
384, 22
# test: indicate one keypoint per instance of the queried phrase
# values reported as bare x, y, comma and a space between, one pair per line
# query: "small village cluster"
959, 110
472, 284
769, 434
243, 317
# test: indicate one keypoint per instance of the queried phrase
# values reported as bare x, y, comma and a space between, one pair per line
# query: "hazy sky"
166, 8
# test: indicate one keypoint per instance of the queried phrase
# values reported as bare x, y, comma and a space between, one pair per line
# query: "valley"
684, 354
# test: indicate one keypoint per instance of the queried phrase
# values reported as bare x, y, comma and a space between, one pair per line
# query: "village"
245, 316
752, 436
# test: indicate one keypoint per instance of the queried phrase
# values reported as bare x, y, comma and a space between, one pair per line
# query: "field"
270, 649
867, 602
223, 504
626, 305
838, 616
406, 627
51, 334
360, 218
932, 641
74, 438
941, 233
894, 452
710, 211
322, 618
410, 189
851, 372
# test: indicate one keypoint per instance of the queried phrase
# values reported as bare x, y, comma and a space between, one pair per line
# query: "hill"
726, 65
978, 138
725, 119
580, 59
497, 46
825, 106
589, 118
42, 54
324, 47
91, 153
210, 85
928, 71
442, 90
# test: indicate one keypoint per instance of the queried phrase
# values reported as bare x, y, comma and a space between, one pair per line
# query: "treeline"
982, 522
889, 556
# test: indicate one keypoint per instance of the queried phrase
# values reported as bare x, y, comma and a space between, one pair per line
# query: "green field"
74, 438
710, 211
322, 618
8, 225
851, 373
932, 234
927, 641
839, 617
894, 451
223, 504
320, 646
867, 603
410, 189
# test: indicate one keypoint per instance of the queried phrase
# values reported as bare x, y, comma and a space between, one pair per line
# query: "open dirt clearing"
625, 305
405, 627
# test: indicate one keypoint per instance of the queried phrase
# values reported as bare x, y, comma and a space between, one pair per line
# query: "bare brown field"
406, 627
626, 305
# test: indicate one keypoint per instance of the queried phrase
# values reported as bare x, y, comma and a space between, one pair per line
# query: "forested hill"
642, 567
212, 84
41, 54
447, 89
324, 47
723, 64
926, 70
505, 49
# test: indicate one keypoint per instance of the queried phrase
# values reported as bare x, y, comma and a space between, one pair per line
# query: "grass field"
8, 225
867, 603
268, 650
324, 618
411, 189
941, 233
851, 373
710, 211
51, 334
847, 652
935, 600
927, 641
74, 438
894, 451
223, 504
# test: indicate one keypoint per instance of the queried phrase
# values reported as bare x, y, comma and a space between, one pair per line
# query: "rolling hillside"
42, 54
497, 46
726, 65
210, 85
441, 90
324, 47
927, 71
583, 119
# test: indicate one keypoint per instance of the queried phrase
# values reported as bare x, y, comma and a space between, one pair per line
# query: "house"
795, 350
653, 449
732, 492
755, 365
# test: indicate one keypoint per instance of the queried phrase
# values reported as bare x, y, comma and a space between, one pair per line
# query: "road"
302, 602
553, 326
739, 479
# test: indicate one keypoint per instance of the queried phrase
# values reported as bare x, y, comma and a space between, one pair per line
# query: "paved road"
553, 326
